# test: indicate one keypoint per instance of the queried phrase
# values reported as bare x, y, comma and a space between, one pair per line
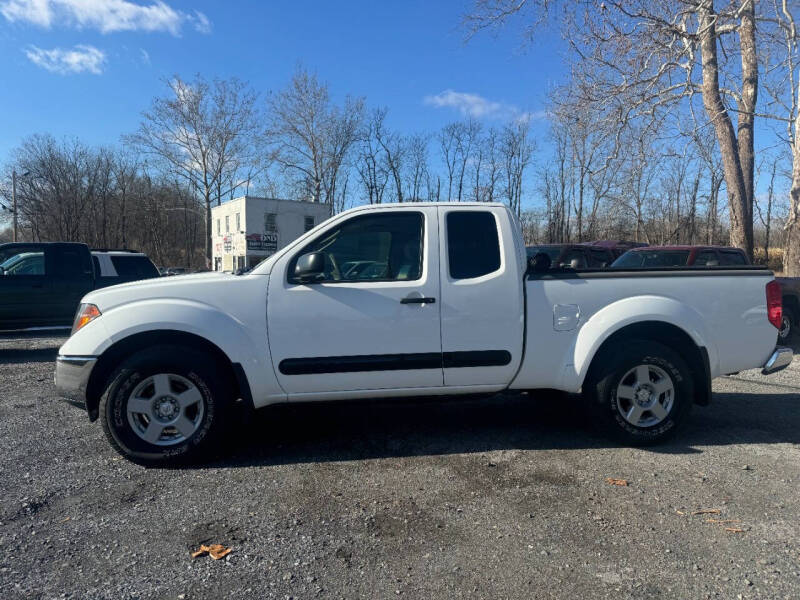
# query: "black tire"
789, 325
605, 377
183, 365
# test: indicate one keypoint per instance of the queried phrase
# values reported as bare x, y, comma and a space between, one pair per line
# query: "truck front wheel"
642, 391
164, 405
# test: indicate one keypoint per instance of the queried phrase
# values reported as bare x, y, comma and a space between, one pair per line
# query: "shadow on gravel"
24, 355
356, 431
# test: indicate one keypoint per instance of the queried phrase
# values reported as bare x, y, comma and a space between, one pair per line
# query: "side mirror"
310, 267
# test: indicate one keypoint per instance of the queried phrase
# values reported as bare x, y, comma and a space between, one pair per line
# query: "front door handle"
420, 300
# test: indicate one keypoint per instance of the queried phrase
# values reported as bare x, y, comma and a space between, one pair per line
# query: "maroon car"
681, 256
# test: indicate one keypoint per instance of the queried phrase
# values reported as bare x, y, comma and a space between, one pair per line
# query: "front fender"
628, 311
243, 344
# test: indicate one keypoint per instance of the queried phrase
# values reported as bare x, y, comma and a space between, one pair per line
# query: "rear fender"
629, 311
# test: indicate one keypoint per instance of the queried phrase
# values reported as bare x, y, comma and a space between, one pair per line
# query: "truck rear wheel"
642, 392
788, 324
164, 405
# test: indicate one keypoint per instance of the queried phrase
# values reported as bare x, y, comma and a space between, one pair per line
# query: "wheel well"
111, 358
792, 303
696, 357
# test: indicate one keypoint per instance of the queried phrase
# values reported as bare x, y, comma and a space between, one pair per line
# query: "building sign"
262, 241
227, 243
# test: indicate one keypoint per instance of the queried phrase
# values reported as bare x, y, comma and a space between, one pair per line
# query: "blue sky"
87, 68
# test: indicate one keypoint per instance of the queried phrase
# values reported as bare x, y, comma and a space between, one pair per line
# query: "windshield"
646, 259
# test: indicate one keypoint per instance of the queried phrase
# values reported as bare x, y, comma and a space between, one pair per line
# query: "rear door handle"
418, 300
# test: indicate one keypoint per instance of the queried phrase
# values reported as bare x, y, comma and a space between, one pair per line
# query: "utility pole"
14, 204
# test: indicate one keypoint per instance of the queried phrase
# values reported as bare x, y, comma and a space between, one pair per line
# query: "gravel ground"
494, 498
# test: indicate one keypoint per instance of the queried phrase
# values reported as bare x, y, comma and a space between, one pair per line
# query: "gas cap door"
566, 317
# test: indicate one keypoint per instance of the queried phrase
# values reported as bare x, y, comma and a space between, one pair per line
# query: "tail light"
774, 304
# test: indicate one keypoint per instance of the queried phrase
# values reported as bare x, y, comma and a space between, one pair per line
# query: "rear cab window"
731, 258
706, 258
574, 258
134, 267
598, 259
473, 245
72, 263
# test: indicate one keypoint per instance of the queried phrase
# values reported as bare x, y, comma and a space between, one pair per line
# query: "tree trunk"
791, 241
745, 134
741, 234
208, 227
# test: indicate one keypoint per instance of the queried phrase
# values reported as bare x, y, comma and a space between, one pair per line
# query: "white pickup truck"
411, 300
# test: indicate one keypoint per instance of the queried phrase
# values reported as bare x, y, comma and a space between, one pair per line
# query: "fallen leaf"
612, 481
216, 551
680, 512
734, 530
707, 511
65, 520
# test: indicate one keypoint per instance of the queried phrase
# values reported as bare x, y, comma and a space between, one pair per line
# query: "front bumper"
72, 375
779, 359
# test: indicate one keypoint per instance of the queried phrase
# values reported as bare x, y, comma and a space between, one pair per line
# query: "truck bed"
723, 310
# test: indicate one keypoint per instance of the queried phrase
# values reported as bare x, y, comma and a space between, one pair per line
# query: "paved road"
496, 498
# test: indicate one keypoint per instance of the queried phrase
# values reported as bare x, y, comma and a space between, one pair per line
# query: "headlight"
85, 315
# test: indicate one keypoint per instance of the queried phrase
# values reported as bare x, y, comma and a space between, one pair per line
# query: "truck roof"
682, 247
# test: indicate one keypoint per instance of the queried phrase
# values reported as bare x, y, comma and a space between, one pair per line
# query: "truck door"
24, 287
482, 301
371, 320
73, 278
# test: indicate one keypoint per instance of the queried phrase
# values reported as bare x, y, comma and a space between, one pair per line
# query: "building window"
309, 223
269, 223
219, 226
227, 223
238, 223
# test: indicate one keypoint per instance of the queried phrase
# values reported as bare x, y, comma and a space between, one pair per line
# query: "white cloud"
478, 107
145, 56
201, 22
105, 16
68, 61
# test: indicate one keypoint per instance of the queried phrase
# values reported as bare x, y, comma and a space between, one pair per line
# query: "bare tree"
780, 52
417, 173
102, 197
766, 219
202, 132
370, 166
394, 150
449, 146
517, 151
636, 59
312, 136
